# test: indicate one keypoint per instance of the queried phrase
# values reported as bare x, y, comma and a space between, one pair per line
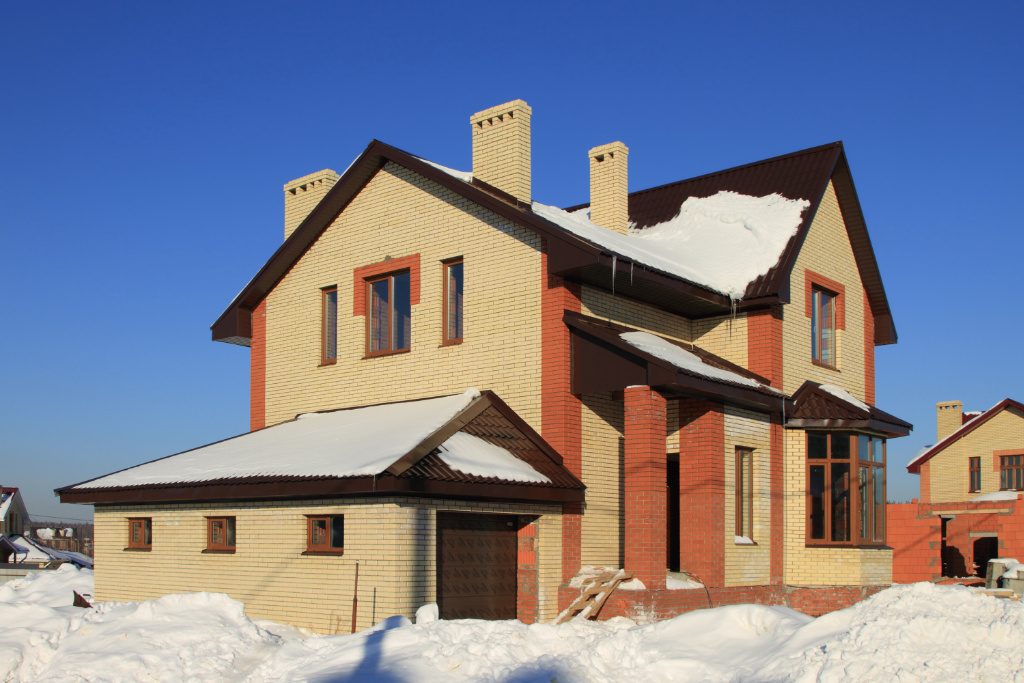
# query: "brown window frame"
1011, 466
390, 278
855, 480
326, 548
446, 303
229, 533
325, 357
744, 474
816, 327
974, 474
147, 526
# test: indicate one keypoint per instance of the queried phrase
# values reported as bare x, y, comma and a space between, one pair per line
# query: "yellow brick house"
463, 395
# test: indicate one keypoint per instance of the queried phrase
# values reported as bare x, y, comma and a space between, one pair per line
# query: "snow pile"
683, 359
464, 176
723, 242
472, 455
916, 632
995, 496
678, 581
845, 396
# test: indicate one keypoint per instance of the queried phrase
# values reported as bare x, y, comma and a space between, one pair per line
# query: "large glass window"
823, 327
837, 512
453, 300
390, 320
1011, 473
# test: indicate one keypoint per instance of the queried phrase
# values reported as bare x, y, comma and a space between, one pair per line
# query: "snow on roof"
6, 499
994, 496
723, 242
339, 443
464, 176
845, 396
972, 413
472, 455
685, 360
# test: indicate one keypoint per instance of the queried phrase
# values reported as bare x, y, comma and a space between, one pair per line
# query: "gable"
1002, 423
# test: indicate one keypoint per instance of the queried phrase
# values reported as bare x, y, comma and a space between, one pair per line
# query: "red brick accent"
258, 368
915, 541
764, 344
776, 484
812, 279
561, 411
869, 352
362, 273
527, 572
644, 500
701, 489
663, 604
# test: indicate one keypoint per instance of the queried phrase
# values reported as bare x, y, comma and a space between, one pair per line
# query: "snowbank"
916, 632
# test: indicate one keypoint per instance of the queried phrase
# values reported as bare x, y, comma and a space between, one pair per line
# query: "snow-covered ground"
917, 632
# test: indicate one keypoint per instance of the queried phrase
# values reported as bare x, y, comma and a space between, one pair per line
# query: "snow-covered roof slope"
5, 504
685, 360
340, 443
845, 396
723, 242
470, 454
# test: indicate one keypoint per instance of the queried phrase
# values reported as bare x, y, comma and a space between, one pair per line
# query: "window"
140, 533
1011, 473
389, 323
745, 493
329, 326
823, 327
220, 533
325, 534
453, 300
834, 514
974, 475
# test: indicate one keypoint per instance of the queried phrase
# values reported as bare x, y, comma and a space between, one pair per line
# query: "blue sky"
145, 146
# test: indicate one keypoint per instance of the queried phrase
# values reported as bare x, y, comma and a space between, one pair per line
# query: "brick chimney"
302, 194
609, 192
501, 148
949, 416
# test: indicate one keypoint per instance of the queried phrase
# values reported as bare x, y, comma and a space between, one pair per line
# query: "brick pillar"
528, 580
645, 484
869, 352
702, 490
258, 368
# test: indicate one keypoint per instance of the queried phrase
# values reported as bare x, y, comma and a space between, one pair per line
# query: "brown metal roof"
815, 407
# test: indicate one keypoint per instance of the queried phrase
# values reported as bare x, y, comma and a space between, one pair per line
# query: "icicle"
630, 273
615, 263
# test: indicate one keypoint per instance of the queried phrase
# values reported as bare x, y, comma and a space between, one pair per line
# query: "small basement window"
220, 533
140, 533
325, 534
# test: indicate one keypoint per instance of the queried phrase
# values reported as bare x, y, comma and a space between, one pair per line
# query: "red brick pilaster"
258, 368
644, 467
776, 483
528, 580
925, 482
561, 411
702, 490
869, 352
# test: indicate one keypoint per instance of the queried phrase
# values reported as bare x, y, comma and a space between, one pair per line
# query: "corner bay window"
838, 513
140, 533
974, 475
1011, 472
823, 327
220, 533
389, 323
325, 534
453, 300
328, 325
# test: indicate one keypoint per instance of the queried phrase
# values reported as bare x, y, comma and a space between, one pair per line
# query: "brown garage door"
476, 566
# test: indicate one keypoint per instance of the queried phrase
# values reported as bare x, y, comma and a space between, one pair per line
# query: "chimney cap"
608, 148
310, 177
501, 110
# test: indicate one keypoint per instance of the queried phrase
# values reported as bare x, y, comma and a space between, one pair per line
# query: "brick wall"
258, 369
645, 505
916, 543
702, 490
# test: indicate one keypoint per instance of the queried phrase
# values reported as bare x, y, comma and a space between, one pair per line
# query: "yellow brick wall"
601, 304
724, 336
747, 565
303, 194
807, 566
397, 214
826, 251
603, 454
949, 469
392, 540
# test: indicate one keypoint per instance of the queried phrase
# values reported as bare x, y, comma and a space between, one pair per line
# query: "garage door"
476, 566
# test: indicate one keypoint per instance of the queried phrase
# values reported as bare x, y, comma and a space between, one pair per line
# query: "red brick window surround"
325, 534
140, 533
389, 265
453, 299
1011, 472
329, 325
385, 293
220, 534
744, 493
825, 305
974, 474
846, 489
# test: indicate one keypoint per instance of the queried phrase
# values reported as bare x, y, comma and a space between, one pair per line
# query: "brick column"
645, 485
702, 490
527, 574
258, 368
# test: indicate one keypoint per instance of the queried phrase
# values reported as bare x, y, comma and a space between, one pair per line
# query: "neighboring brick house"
716, 399
14, 517
970, 508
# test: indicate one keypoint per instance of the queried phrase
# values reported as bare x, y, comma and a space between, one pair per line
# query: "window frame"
857, 537
146, 543
743, 484
1011, 465
446, 304
974, 474
325, 548
230, 530
817, 292
325, 358
368, 284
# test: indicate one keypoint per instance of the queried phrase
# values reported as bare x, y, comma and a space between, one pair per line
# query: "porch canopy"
470, 445
824, 406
